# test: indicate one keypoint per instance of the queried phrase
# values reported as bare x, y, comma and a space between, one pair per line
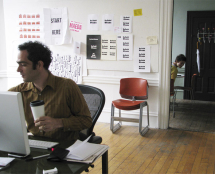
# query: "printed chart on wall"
142, 59
30, 26
67, 65
126, 24
107, 22
93, 46
56, 26
124, 47
108, 47
92, 23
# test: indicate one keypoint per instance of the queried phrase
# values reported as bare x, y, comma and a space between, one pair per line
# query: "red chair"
133, 89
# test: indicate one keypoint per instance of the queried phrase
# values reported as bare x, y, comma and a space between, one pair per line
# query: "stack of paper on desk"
5, 161
85, 152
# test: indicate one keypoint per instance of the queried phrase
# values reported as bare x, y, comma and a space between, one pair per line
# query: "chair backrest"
193, 80
95, 100
171, 87
134, 88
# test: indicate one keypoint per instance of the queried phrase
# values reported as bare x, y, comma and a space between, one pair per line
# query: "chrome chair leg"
173, 104
113, 127
112, 119
144, 130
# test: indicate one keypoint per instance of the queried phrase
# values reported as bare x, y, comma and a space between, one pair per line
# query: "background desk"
38, 165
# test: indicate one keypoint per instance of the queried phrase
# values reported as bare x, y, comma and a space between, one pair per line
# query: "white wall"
3, 59
155, 21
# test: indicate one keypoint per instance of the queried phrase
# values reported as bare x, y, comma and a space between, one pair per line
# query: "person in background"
179, 62
66, 112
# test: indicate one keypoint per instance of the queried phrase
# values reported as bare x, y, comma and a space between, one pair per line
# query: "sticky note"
138, 12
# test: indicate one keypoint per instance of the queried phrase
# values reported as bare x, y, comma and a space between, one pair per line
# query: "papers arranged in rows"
85, 152
5, 161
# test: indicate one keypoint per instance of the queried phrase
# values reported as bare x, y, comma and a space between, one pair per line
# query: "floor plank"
159, 151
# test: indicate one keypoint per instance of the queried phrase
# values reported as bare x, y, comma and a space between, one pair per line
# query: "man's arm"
47, 123
80, 118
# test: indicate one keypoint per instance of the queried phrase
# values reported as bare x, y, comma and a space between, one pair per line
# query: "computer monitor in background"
13, 132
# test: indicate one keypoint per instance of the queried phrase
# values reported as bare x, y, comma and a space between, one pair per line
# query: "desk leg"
105, 163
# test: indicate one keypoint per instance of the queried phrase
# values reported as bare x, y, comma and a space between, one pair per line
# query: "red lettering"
80, 27
75, 26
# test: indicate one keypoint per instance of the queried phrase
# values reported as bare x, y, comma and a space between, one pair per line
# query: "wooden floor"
159, 151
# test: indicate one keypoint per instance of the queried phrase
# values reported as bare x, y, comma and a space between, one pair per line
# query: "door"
201, 34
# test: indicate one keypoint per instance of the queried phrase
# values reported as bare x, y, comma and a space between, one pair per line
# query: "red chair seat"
127, 104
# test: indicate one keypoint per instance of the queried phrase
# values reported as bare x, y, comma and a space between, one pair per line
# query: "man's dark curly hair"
180, 57
36, 52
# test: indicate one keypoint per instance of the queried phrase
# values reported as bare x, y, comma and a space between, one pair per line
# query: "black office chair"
95, 99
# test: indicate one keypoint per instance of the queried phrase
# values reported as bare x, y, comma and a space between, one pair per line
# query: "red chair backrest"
134, 87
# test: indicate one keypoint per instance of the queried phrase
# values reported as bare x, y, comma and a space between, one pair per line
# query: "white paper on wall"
30, 28
67, 65
107, 22
92, 23
142, 59
152, 40
75, 26
108, 47
76, 47
126, 24
56, 26
124, 47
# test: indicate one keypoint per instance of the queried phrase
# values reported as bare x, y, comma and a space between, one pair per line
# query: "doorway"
201, 36
198, 114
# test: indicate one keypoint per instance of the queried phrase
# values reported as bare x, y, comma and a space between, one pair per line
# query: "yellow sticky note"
138, 12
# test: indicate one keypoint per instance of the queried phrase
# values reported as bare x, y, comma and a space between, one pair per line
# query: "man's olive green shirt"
63, 99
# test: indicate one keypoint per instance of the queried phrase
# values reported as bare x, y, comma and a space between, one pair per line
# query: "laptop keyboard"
41, 144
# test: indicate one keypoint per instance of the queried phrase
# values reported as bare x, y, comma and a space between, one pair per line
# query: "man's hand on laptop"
47, 123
